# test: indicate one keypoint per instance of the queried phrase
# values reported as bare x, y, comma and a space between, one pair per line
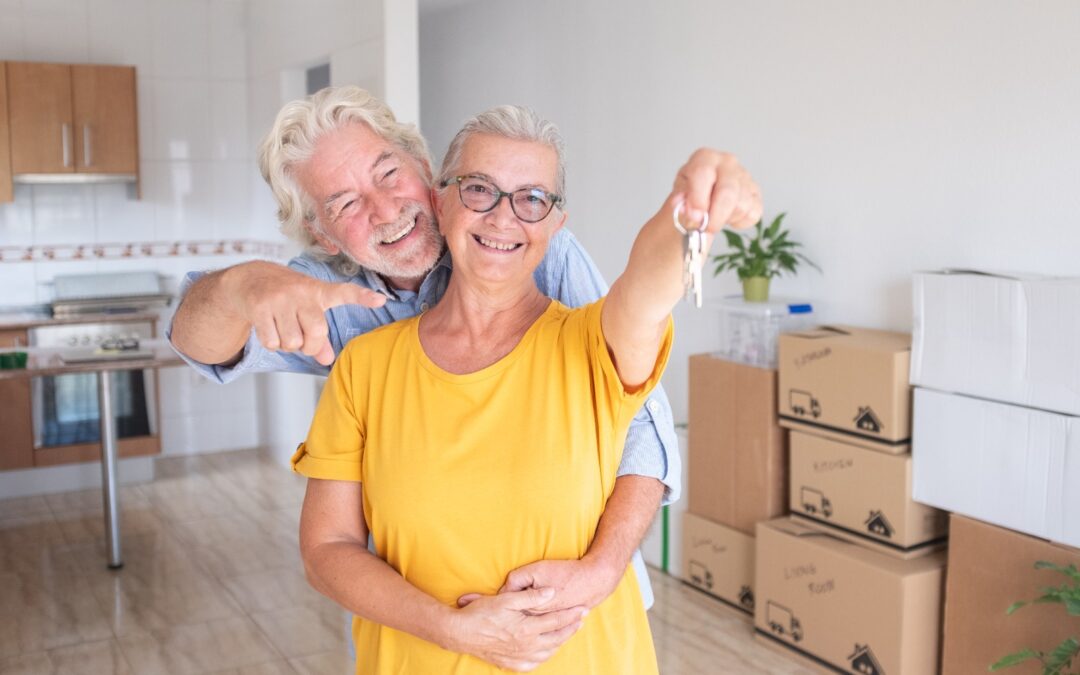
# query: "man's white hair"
292, 140
508, 121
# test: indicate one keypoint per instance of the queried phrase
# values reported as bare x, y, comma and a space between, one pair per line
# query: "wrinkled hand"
576, 582
287, 308
506, 631
715, 182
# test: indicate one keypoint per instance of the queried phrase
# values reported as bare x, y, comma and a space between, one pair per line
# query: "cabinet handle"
86, 146
65, 136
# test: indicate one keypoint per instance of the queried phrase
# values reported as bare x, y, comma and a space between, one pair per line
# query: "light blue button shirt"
566, 273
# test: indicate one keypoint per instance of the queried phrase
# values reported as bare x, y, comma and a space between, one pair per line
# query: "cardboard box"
1008, 338
861, 495
852, 382
989, 569
1005, 464
662, 545
738, 453
847, 606
719, 560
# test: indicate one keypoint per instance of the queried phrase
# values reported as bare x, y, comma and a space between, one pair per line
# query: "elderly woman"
485, 434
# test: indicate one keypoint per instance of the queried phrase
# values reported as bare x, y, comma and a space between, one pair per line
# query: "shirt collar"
376, 282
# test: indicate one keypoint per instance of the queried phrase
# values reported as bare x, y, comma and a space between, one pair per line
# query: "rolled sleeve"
255, 358
652, 449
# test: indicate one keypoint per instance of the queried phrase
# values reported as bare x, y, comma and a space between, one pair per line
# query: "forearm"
349, 574
207, 327
637, 311
627, 516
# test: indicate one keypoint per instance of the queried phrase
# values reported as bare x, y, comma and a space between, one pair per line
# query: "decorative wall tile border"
150, 249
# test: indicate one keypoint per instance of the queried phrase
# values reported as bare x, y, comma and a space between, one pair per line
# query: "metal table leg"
108, 469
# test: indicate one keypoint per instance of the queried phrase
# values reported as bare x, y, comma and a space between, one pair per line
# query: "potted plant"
1057, 661
759, 258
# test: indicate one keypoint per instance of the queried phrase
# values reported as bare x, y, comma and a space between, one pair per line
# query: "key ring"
683, 230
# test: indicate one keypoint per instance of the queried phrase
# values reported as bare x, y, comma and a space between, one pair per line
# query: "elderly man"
353, 186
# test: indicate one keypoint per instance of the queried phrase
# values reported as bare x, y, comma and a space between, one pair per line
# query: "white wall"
370, 43
898, 136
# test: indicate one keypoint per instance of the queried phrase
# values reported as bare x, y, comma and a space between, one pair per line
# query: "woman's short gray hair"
297, 129
508, 121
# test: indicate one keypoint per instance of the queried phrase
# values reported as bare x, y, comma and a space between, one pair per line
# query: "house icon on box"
878, 524
746, 598
863, 661
866, 420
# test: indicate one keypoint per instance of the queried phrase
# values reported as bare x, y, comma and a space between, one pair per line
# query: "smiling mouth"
487, 243
393, 239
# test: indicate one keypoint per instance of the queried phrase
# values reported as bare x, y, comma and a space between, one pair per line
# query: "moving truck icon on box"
813, 501
700, 575
803, 403
782, 622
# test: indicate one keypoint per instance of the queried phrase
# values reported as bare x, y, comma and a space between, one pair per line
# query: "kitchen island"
50, 361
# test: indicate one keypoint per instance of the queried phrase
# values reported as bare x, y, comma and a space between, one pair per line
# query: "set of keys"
693, 255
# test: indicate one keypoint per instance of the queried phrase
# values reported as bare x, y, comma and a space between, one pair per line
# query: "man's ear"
330, 247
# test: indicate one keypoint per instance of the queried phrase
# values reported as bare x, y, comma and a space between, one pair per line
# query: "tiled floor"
213, 583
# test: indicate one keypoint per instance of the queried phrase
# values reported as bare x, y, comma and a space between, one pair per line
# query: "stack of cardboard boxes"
737, 452
854, 578
997, 438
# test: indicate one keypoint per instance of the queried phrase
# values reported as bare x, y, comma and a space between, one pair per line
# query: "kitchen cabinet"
72, 119
7, 193
16, 420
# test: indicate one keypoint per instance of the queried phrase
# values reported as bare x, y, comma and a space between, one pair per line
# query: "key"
693, 255
694, 261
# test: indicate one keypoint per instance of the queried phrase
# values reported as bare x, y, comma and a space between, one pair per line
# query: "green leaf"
1072, 606
1062, 654
775, 226
734, 240
1013, 659
1069, 570
1015, 606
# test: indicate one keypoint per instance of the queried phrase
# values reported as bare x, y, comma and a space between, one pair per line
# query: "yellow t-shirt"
467, 477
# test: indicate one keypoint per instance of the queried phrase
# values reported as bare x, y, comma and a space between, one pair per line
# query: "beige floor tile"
300, 631
133, 605
274, 589
37, 663
337, 662
40, 617
270, 668
23, 506
99, 658
92, 501
84, 525
202, 648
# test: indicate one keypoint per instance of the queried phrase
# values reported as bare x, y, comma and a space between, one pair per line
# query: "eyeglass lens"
529, 204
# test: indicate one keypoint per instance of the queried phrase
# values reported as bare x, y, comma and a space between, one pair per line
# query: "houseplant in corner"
1057, 661
758, 258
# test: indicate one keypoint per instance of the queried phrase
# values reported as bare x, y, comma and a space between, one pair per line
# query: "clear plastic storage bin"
749, 331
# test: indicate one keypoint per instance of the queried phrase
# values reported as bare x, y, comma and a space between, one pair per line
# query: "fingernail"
585, 614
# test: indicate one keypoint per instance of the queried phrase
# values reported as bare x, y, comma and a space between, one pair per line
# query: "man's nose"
382, 208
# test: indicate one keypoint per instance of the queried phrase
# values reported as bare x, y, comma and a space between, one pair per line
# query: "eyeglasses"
481, 195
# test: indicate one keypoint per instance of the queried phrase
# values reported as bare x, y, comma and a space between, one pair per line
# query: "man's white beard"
412, 262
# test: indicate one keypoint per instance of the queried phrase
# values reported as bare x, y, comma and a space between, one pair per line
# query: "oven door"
66, 407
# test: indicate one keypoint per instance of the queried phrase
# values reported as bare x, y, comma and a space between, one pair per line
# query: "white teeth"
402, 234
496, 245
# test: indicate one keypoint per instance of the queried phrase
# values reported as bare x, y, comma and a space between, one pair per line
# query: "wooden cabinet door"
16, 418
39, 106
7, 193
106, 127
